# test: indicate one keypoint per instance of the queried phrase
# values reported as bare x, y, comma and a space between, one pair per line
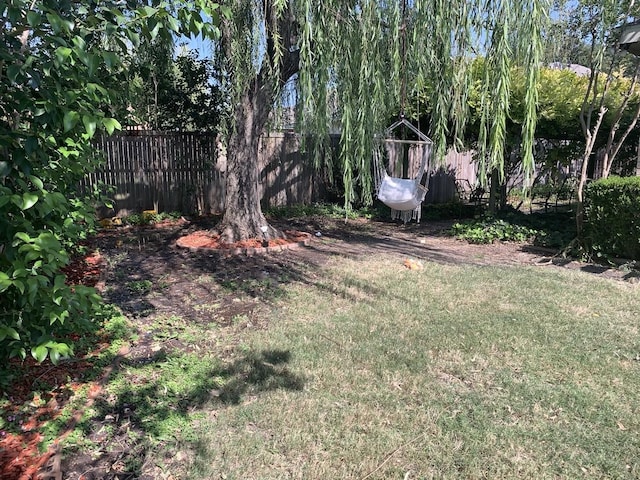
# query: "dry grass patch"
446, 372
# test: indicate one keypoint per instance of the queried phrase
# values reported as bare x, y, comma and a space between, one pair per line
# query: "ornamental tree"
601, 24
354, 61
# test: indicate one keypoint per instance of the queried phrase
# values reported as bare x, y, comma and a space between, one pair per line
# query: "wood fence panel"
185, 172
178, 171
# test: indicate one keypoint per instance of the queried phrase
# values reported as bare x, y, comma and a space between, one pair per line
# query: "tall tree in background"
172, 91
366, 53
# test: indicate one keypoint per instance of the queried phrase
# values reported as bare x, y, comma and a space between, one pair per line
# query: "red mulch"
84, 270
205, 239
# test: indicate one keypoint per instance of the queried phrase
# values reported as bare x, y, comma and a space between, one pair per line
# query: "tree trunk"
590, 137
494, 190
243, 218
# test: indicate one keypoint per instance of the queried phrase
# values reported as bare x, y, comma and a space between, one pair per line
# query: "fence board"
178, 171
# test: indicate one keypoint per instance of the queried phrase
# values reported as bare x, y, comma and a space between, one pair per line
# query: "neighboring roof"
580, 70
630, 38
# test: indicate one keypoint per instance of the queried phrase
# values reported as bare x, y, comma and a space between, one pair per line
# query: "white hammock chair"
403, 195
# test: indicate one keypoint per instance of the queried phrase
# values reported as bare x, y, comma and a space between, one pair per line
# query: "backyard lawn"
337, 361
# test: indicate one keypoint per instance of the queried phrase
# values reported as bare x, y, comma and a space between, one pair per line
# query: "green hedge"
612, 217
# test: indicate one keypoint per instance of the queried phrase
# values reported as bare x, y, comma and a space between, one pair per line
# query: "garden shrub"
612, 217
58, 83
142, 219
489, 229
553, 230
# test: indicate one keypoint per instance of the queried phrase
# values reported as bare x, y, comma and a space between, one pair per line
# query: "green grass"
457, 372
375, 371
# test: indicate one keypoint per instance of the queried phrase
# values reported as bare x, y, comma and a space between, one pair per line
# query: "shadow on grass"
151, 408
195, 278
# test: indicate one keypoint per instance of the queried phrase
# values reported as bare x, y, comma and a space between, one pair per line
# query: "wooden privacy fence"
184, 172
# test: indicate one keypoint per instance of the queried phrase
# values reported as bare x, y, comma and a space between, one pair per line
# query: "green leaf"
23, 236
34, 18
56, 23
5, 168
94, 64
70, 120
14, 13
111, 124
36, 181
29, 199
90, 125
62, 53
149, 11
59, 24
39, 353
173, 24
8, 332
12, 72
79, 43
111, 59
31, 145
59, 282
20, 272
54, 355
135, 38
5, 281
48, 241
19, 285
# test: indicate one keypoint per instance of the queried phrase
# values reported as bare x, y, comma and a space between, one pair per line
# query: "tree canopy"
171, 90
356, 61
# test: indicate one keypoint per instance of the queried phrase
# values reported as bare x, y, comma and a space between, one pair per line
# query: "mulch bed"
203, 239
41, 390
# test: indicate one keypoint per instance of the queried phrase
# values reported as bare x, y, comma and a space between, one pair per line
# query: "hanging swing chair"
402, 170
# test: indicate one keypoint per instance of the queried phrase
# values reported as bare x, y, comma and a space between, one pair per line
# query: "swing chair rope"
403, 52
403, 195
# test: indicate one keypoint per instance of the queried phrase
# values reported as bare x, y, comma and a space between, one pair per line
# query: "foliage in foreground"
38, 395
59, 76
612, 221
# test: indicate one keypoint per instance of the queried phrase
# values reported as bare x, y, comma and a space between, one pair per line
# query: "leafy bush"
554, 230
149, 218
612, 217
490, 229
58, 82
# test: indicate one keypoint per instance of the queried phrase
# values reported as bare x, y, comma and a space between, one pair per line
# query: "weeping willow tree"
356, 59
